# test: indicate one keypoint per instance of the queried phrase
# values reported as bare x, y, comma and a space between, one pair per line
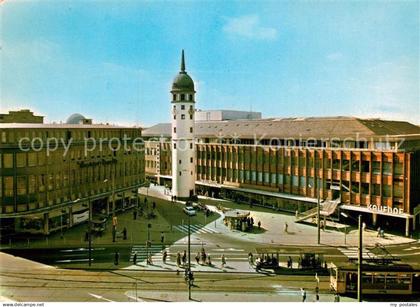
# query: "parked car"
189, 211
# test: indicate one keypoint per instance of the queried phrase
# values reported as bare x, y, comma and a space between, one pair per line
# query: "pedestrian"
117, 258
364, 226
162, 237
184, 257
197, 258
336, 297
135, 214
178, 259
125, 233
223, 261
317, 297
285, 227
303, 292
259, 224
250, 258
165, 255
135, 258
203, 256
208, 260
114, 233
149, 259
379, 232
290, 262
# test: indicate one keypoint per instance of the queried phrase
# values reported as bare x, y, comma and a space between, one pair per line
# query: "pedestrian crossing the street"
156, 251
353, 253
141, 251
197, 228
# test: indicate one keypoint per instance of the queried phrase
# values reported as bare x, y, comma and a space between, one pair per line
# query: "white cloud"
249, 26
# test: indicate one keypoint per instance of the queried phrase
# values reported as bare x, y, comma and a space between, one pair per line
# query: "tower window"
174, 129
174, 116
191, 145
191, 130
182, 107
180, 173
182, 116
174, 145
191, 116
191, 108
180, 161
174, 108
182, 96
173, 98
191, 160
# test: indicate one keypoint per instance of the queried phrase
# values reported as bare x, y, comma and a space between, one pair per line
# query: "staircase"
327, 208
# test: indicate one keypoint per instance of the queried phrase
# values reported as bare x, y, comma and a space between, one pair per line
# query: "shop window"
398, 190
295, 181
280, 178
302, 181
273, 178
336, 164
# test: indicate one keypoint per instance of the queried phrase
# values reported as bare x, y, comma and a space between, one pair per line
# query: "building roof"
305, 128
61, 126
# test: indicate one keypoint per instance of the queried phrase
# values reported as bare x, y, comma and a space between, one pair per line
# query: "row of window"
13, 136
191, 130
41, 183
356, 165
183, 97
299, 181
25, 159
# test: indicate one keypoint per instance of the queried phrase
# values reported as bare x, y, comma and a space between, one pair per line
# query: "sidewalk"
272, 224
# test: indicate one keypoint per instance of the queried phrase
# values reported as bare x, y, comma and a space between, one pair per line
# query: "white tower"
183, 148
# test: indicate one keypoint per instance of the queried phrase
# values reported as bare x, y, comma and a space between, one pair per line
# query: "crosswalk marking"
353, 252
198, 228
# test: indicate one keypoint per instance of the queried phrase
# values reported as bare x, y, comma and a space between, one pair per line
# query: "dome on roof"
183, 82
75, 119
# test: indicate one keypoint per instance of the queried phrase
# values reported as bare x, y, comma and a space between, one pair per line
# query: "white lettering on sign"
385, 209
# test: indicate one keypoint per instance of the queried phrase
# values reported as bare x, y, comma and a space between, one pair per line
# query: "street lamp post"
360, 260
318, 219
345, 228
90, 232
189, 257
148, 242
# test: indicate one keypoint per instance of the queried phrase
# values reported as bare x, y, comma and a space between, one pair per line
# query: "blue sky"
114, 61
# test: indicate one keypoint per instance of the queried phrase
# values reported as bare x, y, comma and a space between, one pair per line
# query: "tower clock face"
191, 111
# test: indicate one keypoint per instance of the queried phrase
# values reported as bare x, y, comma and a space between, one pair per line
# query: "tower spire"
182, 62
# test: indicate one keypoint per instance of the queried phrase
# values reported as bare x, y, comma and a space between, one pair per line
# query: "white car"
189, 211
